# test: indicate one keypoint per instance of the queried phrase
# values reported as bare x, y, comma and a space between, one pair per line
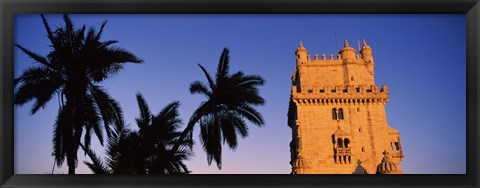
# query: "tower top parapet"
346, 53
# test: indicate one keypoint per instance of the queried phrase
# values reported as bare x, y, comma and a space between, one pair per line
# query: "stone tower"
337, 115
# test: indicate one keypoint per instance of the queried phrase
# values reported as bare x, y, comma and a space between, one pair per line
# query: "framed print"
223, 93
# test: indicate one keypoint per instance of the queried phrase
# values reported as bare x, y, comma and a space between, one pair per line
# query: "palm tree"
148, 150
71, 71
230, 100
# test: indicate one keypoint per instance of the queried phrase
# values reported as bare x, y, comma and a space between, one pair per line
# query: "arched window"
340, 113
346, 142
334, 113
339, 143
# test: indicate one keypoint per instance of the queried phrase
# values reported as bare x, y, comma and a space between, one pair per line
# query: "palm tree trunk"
201, 111
71, 169
196, 116
53, 168
71, 165
186, 131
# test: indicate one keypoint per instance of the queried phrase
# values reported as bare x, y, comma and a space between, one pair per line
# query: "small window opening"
340, 113
397, 146
339, 143
346, 142
334, 113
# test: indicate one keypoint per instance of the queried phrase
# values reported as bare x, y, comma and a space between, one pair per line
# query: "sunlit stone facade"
337, 115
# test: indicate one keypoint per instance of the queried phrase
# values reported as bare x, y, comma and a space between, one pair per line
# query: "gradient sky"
420, 57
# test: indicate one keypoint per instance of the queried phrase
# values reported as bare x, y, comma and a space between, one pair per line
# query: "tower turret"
367, 56
301, 54
366, 52
387, 166
347, 52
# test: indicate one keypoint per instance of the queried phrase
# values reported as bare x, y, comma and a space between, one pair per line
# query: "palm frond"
100, 32
211, 83
223, 65
251, 114
96, 166
109, 61
68, 24
107, 43
120, 55
37, 57
199, 87
37, 84
110, 110
145, 114
229, 134
92, 122
61, 135
251, 80
170, 115
50, 34
241, 127
210, 136
79, 35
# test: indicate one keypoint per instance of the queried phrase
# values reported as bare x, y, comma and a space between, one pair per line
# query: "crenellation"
350, 89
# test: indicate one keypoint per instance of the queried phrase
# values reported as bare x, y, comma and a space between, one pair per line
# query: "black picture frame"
8, 9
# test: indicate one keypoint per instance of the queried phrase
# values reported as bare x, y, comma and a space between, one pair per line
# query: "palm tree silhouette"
230, 99
148, 150
72, 70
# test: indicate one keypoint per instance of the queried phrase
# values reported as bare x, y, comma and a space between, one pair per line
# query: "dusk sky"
422, 58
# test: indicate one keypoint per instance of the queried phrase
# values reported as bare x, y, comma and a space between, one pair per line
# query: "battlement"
341, 89
326, 95
332, 60
325, 58
347, 54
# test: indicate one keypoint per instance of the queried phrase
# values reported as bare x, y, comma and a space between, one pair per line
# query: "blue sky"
420, 57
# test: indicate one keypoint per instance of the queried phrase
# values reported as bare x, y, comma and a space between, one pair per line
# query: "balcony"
343, 151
